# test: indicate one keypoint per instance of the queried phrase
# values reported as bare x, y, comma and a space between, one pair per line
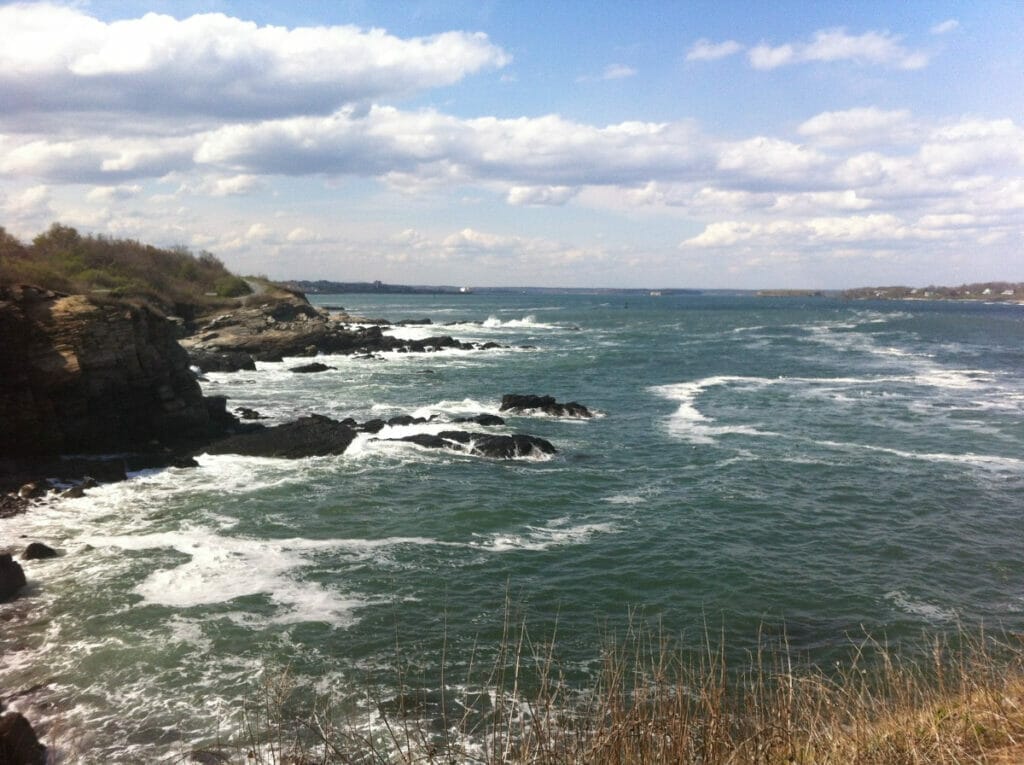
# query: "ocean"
824, 468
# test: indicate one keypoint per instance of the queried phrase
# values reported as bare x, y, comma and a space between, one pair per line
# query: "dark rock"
316, 366
12, 579
406, 419
426, 440
511, 447
412, 322
518, 403
207, 757
248, 414
482, 419
310, 436
184, 462
221, 361
482, 444
38, 551
18, 742
490, 345
11, 505
74, 492
34, 489
372, 426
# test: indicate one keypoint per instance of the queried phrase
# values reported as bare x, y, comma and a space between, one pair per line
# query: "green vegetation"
987, 291
174, 280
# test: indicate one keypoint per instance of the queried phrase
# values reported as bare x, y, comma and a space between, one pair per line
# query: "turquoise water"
836, 467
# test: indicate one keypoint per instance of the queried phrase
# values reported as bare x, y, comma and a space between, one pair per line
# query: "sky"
558, 143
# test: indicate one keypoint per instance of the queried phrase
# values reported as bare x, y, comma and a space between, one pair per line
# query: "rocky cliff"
78, 375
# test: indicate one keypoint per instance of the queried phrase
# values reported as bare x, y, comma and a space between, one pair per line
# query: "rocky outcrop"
287, 325
483, 444
12, 579
79, 375
312, 436
221, 361
522, 404
18, 742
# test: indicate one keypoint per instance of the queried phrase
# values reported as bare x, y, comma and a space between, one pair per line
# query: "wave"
557, 533
928, 611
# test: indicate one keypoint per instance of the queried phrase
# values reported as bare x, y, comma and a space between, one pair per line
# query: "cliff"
82, 376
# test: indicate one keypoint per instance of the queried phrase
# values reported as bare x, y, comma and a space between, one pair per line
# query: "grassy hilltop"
174, 280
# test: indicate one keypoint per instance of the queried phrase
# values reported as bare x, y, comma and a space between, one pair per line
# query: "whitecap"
928, 611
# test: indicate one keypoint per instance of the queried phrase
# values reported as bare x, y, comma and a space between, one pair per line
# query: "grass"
950, 700
174, 280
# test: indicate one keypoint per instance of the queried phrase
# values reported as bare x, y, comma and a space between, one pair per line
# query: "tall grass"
954, 699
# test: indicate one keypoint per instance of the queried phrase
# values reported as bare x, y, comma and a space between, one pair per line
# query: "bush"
232, 286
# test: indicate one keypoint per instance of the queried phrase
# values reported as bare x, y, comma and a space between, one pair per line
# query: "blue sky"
580, 144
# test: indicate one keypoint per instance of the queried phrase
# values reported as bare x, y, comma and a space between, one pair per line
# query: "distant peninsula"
1009, 292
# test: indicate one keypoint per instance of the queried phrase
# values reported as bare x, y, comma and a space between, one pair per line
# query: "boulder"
209, 360
38, 551
12, 579
482, 419
18, 742
519, 403
316, 366
482, 444
248, 414
311, 436
34, 489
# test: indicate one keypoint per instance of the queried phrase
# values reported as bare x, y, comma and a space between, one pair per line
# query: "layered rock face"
78, 376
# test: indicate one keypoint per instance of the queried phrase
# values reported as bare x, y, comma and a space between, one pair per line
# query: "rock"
518, 403
310, 436
80, 375
34, 489
406, 419
482, 419
12, 579
38, 551
482, 444
413, 322
75, 492
248, 414
11, 505
221, 361
18, 742
372, 426
316, 366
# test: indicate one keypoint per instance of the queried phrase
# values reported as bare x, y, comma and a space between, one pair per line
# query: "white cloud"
540, 195
60, 59
106, 194
858, 127
878, 48
944, 27
618, 72
705, 50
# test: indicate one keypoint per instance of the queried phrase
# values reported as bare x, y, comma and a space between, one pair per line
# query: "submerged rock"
311, 436
12, 579
316, 366
515, 402
482, 419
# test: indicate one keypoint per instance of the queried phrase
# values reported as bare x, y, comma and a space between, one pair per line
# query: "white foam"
1011, 464
928, 611
557, 533
689, 424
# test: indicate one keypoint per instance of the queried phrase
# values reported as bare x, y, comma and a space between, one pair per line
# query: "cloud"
829, 45
60, 59
617, 72
858, 127
944, 27
705, 50
540, 195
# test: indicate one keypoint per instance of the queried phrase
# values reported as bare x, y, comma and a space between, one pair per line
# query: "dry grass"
958, 701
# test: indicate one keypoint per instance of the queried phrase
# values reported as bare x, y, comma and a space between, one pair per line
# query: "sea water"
837, 468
